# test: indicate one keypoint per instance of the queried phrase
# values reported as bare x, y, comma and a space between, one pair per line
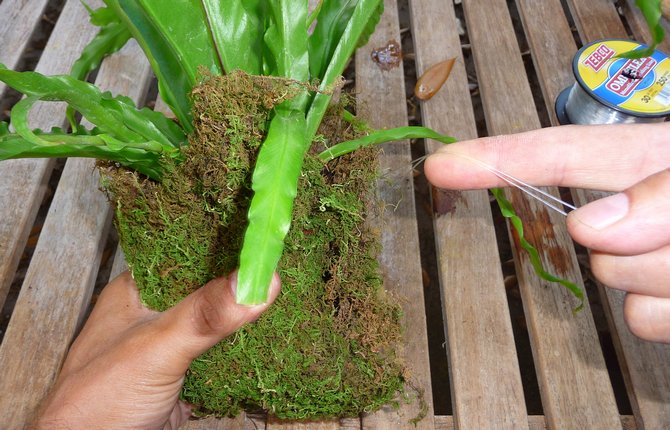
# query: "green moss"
327, 347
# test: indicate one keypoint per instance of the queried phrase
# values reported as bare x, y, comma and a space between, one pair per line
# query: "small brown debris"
432, 80
387, 57
445, 201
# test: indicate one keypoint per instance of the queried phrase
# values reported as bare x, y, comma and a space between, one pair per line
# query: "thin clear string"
543, 197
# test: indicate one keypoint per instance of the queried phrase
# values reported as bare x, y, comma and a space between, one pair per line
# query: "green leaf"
116, 116
508, 212
286, 44
275, 184
371, 25
651, 10
314, 14
19, 115
112, 36
102, 16
149, 124
332, 21
176, 40
381, 136
144, 157
82, 96
237, 29
365, 13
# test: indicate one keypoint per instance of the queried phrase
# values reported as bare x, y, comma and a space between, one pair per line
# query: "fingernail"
604, 212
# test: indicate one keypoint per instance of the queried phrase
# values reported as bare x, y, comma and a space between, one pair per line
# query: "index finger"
602, 157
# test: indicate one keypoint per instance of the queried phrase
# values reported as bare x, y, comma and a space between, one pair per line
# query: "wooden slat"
646, 366
23, 182
246, 422
303, 425
535, 422
596, 17
552, 47
240, 422
18, 21
570, 366
487, 389
639, 27
382, 98
60, 279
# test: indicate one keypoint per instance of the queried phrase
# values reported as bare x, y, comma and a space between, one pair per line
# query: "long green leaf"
115, 116
151, 125
286, 45
111, 37
381, 136
82, 96
237, 29
359, 27
508, 212
286, 39
275, 183
141, 156
331, 23
176, 40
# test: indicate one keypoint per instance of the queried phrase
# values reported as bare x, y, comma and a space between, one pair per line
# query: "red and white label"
630, 75
599, 57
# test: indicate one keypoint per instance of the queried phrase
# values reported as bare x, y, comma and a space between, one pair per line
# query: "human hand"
628, 233
126, 368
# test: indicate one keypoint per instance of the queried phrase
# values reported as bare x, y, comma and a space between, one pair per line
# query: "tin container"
612, 90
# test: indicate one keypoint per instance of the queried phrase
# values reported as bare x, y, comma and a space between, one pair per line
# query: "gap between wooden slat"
486, 383
59, 281
381, 97
570, 366
645, 366
19, 20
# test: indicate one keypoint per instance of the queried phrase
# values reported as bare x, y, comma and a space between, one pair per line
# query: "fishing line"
536, 193
614, 90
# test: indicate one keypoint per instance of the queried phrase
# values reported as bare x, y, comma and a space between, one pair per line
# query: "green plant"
272, 121
257, 37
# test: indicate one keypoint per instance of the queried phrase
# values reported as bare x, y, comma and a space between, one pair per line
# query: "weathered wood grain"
569, 362
551, 45
486, 384
645, 365
382, 98
23, 182
58, 286
241, 422
303, 425
535, 422
596, 17
18, 20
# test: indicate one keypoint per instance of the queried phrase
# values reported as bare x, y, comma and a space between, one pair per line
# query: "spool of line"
612, 90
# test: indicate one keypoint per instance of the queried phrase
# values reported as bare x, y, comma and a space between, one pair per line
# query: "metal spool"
611, 90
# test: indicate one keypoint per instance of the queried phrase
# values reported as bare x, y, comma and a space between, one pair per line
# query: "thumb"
632, 222
210, 314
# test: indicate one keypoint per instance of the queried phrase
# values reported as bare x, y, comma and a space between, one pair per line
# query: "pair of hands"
126, 368
628, 232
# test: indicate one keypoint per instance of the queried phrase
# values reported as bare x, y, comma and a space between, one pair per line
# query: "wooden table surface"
513, 58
